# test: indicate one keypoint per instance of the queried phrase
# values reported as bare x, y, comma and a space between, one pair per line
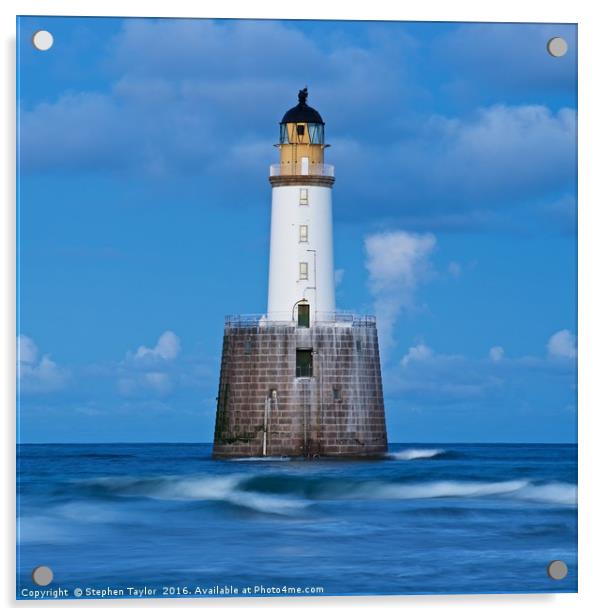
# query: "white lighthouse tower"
301, 275
300, 380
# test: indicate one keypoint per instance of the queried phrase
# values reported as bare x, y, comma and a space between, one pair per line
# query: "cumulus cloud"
425, 378
420, 352
496, 353
432, 375
397, 262
492, 168
167, 111
37, 374
563, 345
151, 371
167, 348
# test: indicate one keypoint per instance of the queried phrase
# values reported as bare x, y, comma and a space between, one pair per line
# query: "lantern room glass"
290, 134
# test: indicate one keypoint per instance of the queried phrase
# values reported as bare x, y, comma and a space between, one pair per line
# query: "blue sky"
144, 148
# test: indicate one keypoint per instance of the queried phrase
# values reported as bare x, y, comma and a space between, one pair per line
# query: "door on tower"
304, 165
303, 315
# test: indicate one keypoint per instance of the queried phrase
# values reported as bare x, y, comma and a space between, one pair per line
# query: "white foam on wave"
556, 493
229, 489
415, 454
225, 489
520, 489
444, 489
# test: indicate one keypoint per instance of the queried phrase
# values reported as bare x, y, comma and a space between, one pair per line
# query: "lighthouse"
301, 379
301, 275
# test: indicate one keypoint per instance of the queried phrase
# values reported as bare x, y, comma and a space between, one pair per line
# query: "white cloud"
433, 375
562, 344
167, 347
27, 350
419, 352
35, 374
159, 381
139, 376
157, 98
453, 172
397, 262
461, 171
496, 353
143, 384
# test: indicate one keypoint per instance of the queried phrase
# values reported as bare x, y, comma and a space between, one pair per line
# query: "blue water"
426, 519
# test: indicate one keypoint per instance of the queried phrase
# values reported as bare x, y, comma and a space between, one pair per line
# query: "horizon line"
211, 443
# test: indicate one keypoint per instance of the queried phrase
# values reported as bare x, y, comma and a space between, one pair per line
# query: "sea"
167, 520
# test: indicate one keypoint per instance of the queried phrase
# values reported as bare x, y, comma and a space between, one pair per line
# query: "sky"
144, 208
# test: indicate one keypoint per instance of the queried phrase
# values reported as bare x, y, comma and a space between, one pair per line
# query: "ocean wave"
445, 489
415, 454
222, 489
287, 494
555, 493
523, 490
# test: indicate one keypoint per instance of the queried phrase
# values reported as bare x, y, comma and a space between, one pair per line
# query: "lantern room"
301, 140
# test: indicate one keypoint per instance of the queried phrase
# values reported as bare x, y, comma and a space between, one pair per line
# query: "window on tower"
303, 233
303, 196
303, 271
304, 366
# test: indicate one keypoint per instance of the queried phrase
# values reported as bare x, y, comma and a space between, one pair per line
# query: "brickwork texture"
264, 408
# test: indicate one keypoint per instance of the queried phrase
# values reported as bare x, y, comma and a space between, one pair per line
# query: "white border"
583, 12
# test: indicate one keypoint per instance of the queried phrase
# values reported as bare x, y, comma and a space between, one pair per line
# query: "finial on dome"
302, 112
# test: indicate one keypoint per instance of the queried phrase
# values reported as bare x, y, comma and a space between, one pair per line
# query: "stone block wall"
265, 409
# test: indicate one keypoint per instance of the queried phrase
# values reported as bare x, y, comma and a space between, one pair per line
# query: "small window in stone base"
304, 363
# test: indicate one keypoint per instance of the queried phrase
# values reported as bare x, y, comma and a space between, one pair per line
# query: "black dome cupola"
302, 112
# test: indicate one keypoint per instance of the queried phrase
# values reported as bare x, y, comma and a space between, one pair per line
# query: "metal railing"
300, 169
316, 318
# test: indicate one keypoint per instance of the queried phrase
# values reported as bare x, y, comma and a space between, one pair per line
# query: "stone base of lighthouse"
300, 391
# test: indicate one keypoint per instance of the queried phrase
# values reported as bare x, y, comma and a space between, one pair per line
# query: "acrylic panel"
296, 308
